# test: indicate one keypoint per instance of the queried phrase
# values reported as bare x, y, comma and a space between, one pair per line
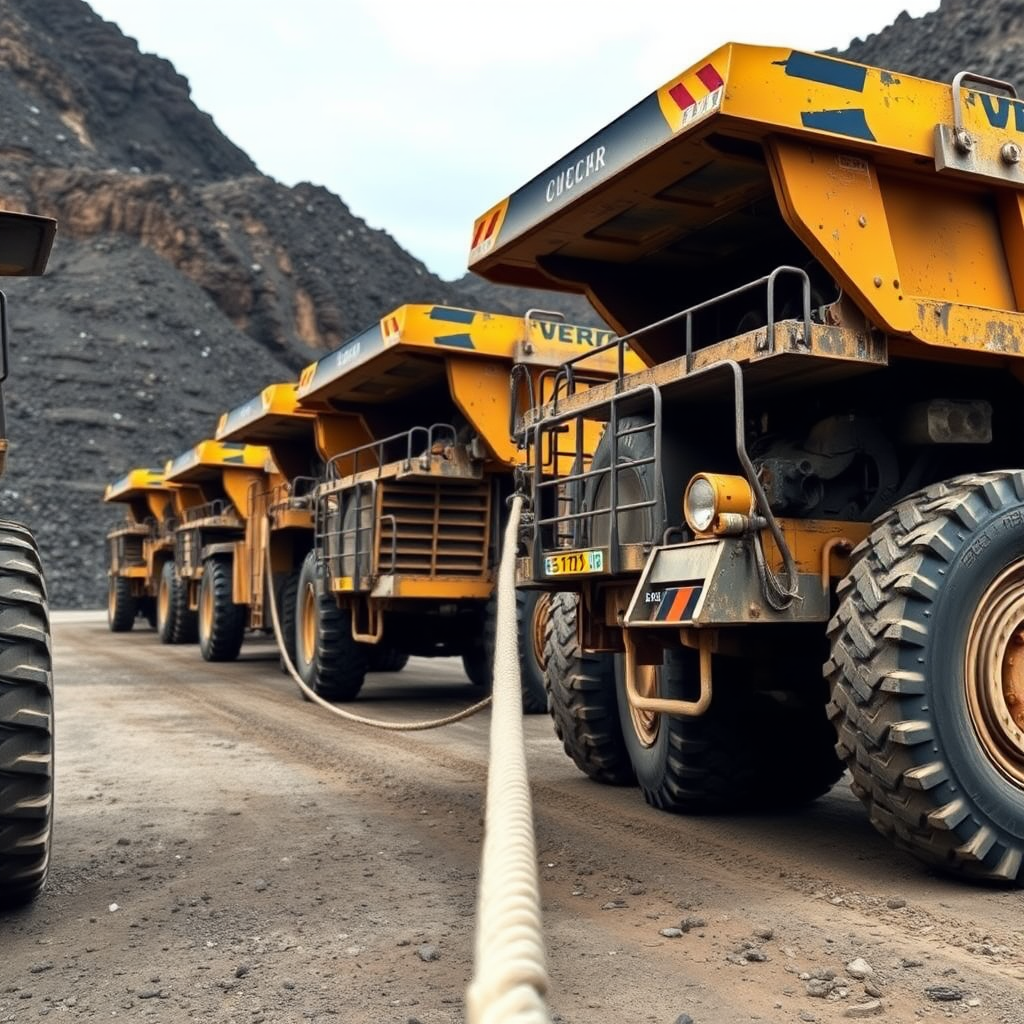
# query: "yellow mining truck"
210, 581
413, 426
26, 675
139, 547
280, 514
822, 265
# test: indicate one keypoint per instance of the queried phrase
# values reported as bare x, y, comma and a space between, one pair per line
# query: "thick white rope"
431, 723
510, 972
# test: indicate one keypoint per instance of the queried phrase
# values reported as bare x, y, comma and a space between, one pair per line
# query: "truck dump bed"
409, 368
905, 193
144, 491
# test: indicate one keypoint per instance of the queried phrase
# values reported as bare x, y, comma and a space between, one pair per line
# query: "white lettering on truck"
575, 173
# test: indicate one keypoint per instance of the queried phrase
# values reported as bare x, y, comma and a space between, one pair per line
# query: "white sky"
421, 114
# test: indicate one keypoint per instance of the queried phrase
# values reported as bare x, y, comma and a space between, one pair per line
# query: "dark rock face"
183, 280
986, 37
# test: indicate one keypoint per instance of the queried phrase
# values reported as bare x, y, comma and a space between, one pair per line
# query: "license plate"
574, 563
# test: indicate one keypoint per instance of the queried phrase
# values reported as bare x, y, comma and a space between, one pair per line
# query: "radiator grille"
433, 528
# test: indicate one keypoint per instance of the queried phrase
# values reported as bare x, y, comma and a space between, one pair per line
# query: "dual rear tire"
122, 606
175, 622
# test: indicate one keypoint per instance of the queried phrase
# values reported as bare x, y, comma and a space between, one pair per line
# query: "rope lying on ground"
432, 723
510, 976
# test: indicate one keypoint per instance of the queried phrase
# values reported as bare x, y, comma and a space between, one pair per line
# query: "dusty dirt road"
227, 852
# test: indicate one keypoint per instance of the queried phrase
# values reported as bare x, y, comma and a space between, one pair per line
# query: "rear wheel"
221, 621
121, 604
26, 719
175, 622
581, 698
329, 661
927, 674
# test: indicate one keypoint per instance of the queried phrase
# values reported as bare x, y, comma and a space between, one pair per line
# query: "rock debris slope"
183, 279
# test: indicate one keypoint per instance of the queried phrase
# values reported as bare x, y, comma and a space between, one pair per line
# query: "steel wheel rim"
308, 630
646, 723
994, 673
206, 606
111, 597
163, 601
541, 613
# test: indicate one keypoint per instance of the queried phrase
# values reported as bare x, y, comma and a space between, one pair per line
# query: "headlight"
699, 504
711, 495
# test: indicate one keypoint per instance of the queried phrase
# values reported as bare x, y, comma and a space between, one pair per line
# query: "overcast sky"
421, 114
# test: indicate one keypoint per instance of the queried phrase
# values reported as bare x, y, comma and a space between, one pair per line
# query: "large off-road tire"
581, 698
287, 597
175, 622
121, 604
927, 691
329, 661
387, 659
147, 609
221, 621
750, 749
532, 613
478, 660
26, 719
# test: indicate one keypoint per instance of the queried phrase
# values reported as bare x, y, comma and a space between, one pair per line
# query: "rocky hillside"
183, 279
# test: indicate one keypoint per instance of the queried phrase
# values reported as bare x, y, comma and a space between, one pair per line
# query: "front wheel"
121, 605
927, 675
329, 660
221, 621
581, 698
26, 719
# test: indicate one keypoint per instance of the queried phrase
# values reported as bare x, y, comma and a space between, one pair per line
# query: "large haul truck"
210, 589
139, 547
413, 428
26, 670
279, 528
822, 265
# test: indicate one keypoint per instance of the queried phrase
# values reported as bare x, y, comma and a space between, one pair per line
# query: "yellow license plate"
574, 563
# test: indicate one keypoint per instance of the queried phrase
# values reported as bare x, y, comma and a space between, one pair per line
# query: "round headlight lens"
699, 505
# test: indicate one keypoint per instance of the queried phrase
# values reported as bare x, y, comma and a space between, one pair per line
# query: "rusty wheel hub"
307, 629
994, 672
541, 613
646, 723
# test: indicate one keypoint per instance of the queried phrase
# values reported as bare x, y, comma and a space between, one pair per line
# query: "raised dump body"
138, 547
821, 264
213, 583
408, 516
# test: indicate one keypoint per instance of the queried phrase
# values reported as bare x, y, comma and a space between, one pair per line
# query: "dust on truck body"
138, 547
822, 265
26, 671
409, 509
213, 587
